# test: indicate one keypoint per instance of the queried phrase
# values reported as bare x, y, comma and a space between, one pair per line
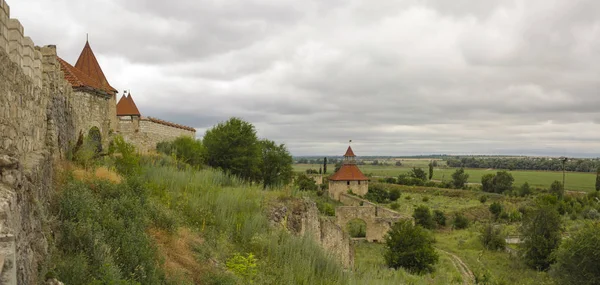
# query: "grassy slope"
576, 181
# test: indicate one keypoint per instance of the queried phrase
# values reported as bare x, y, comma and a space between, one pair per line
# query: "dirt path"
467, 274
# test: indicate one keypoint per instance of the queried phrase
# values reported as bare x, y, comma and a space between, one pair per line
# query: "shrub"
482, 199
425, 199
430, 184
491, 237
357, 228
408, 197
127, 161
394, 195
184, 148
395, 206
411, 247
325, 208
496, 208
577, 258
515, 216
525, 190
557, 189
439, 218
377, 194
423, 217
418, 173
460, 221
244, 267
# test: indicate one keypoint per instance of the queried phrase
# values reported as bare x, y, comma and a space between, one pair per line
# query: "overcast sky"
396, 77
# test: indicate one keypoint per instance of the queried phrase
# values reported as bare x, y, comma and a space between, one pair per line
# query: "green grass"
575, 181
370, 268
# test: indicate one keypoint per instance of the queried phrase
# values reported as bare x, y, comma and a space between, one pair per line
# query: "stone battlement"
21, 48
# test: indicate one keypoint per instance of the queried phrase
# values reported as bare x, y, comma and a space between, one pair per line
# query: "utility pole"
564, 161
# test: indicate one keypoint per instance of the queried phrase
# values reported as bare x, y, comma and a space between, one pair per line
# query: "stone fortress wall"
145, 133
41, 116
337, 188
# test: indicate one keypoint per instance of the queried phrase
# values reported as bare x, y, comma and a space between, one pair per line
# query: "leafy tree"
234, 147
491, 237
306, 183
487, 182
418, 173
423, 217
598, 179
375, 162
184, 148
503, 182
276, 164
578, 258
557, 189
325, 165
398, 163
411, 247
459, 178
525, 190
439, 218
541, 236
496, 209
430, 170
460, 221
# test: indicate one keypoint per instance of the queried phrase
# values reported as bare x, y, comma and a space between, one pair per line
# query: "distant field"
575, 181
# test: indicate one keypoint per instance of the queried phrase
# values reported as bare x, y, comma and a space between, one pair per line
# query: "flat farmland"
575, 181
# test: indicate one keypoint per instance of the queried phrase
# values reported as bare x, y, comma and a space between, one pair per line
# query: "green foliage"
492, 238
425, 199
430, 170
184, 148
598, 179
127, 159
233, 147
483, 199
459, 178
276, 164
578, 258
460, 221
404, 179
394, 195
305, 183
497, 183
325, 165
101, 235
395, 206
439, 218
418, 173
244, 267
423, 217
357, 228
557, 189
377, 194
496, 209
540, 231
411, 247
525, 190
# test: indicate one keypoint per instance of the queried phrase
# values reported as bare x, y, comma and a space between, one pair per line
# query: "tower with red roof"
348, 178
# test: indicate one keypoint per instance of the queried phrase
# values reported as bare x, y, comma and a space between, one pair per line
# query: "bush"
243, 267
410, 247
127, 161
430, 184
306, 183
418, 173
439, 218
482, 199
186, 149
491, 237
496, 209
460, 221
357, 228
525, 190
577, 258
377, 194
325, 208
395, 206
423, 217
459, 178
394, 195
425, 199
557, 189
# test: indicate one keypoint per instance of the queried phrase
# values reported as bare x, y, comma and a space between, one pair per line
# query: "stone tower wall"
145, 133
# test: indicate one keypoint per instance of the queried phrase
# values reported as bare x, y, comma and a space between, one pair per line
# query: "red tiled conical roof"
76, 77
348, 172
88, 64
126, 107
349, 152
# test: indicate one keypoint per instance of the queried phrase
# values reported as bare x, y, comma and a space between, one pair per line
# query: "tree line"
525, 163
234, 147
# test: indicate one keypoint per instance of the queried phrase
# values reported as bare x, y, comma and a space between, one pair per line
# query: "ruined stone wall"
341, 187
145, 134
